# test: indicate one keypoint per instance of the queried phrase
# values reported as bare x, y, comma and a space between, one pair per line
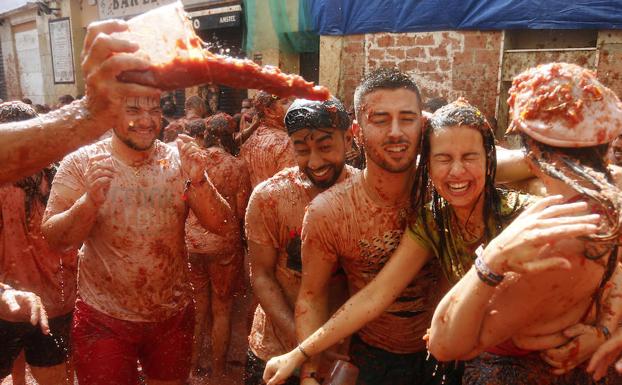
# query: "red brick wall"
352, 67
444, 64
609, 70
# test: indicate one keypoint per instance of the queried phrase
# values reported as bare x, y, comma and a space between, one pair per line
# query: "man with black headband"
320, 132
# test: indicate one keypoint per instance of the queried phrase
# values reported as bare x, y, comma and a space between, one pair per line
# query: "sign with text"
62, 50
121, 9
218, 20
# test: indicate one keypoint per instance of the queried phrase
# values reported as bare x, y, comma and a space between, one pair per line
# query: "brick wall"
352, 67
444, 64
609, 70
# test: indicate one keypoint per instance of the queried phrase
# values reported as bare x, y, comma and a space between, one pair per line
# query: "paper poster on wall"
62, 50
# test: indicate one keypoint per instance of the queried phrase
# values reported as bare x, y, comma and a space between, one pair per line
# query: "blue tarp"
346, 17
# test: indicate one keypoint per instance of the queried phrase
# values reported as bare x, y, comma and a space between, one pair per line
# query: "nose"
145, 118
315, 160
457, 168
395, 130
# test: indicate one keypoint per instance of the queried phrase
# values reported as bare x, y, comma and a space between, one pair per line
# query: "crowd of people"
396, 234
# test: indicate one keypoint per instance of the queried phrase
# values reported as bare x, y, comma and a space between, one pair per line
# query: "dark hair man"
358, 224
126, 200
320, 133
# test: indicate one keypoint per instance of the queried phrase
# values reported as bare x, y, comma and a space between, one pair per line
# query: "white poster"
122, 9
29, 65
62, 50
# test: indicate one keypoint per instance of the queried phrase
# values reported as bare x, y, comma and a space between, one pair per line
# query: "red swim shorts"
106, 349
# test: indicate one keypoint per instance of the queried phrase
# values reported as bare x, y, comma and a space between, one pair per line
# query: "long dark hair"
458, 113
585, 171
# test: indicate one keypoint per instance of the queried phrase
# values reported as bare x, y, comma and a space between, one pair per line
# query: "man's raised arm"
30, 145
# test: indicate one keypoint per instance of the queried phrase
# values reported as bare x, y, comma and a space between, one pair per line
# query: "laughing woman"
529, 286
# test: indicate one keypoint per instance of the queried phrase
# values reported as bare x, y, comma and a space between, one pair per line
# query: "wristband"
303, 352
605, 330
309, 375
485, 274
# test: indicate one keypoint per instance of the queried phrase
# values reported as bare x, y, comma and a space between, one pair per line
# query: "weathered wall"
451, 64
444, 64
609, 68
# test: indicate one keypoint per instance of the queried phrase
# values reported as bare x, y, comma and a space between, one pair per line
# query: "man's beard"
382, 163
324, 184
133, 145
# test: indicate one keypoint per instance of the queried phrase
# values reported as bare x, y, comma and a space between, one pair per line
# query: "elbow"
438, 346
55, 243
446, 346
441, 349
446, 350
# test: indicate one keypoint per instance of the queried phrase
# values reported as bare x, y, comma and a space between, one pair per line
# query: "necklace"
469, 237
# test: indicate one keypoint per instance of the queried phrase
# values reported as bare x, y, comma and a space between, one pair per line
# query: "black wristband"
485, 274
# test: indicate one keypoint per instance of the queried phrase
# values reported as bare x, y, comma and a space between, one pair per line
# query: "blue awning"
346, 17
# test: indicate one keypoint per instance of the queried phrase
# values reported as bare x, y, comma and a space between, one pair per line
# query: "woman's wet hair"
458, 113
585, 170
383, 79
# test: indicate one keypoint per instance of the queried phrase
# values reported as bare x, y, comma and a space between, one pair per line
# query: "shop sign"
125, 8
218, 20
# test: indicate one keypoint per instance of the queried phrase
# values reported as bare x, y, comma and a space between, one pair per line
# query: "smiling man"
320, 133
126, 200
358, 224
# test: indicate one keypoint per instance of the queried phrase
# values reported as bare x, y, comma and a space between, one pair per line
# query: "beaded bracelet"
485, 274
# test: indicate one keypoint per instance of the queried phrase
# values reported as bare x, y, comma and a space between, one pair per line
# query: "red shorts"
106, 349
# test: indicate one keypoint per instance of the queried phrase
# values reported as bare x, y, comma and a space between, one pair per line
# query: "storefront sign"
219, 20
62, 50
126, 8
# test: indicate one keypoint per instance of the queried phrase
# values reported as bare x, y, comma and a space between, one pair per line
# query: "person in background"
194, 109
615, 151
42, 109
29, 264
216, 262
431, 105
268, 150
63, 100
